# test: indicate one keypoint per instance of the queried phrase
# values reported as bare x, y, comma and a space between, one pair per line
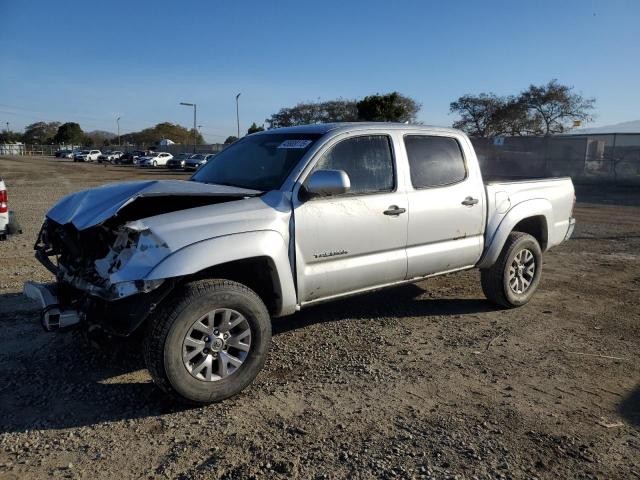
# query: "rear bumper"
11, 228
572, 226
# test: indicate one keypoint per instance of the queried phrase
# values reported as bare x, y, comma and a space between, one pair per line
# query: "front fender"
240, 246
529, 208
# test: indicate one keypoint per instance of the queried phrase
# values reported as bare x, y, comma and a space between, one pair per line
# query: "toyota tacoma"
279, 221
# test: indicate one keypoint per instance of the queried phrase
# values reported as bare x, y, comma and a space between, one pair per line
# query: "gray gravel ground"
420, 381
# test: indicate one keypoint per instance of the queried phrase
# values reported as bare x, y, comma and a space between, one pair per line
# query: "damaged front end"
100, 249
96, 271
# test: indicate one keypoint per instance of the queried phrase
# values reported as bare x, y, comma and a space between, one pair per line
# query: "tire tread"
159, 326
491, 278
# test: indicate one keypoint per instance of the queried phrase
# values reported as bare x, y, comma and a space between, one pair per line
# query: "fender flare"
537, 207
239, 246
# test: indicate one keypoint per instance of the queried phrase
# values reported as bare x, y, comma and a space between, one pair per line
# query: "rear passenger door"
446, 206
357, 240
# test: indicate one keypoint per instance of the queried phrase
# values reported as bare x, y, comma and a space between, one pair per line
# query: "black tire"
167, 329
495, 279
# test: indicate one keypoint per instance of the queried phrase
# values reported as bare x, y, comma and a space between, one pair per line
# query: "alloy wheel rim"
522, 271
216, 345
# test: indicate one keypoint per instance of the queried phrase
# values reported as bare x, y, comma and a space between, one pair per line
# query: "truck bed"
555, 195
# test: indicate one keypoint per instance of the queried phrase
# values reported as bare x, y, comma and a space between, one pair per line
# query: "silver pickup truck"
281, 220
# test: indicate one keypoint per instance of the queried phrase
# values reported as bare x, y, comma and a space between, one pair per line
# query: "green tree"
230, 139
339, 110
171, 131
254, 128
40, 132
556, 107
477, 113
7, 136
539, 110
390, 107
70, 133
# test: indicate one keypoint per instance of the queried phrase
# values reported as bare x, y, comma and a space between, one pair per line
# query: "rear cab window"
434, 161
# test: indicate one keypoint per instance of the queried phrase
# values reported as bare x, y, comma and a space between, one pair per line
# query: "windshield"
197, 157
258, 162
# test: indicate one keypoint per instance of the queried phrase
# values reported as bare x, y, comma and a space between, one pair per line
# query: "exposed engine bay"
101, 259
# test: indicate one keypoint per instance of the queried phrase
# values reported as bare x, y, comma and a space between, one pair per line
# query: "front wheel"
514, 278
209, 342
155, 164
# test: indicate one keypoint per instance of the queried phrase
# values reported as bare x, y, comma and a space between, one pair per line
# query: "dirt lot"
421, 381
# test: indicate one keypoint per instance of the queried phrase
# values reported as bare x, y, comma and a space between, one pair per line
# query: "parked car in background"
178, 160
131, 158
155, 159
110, 156
8, 222
65, 153
197, 160
87, 156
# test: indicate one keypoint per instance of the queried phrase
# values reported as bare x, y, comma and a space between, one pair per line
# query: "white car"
8, 223
155, 159
87, 156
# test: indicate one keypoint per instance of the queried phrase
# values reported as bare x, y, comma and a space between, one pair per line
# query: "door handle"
469, 201
394, 210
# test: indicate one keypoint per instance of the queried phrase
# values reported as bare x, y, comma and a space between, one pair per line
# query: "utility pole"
7, 127
238, 114
118, 122
195, 129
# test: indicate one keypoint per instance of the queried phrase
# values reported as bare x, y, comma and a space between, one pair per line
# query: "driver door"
353, 241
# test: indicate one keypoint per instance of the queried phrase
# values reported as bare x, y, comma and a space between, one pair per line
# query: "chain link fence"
611, 158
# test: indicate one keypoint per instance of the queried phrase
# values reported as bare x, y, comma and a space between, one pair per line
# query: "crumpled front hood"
92, 207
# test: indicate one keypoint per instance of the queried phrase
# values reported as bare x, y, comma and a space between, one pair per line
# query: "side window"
434, 161
367, 160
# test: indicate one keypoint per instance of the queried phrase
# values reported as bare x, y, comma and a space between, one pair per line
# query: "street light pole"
118, 122
195, 130
238, 114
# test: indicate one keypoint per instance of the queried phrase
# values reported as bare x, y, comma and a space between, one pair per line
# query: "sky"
90, 61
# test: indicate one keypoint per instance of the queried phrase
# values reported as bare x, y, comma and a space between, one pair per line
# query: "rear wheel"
514, 278
210, 341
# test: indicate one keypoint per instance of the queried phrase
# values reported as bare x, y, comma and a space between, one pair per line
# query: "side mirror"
324, 183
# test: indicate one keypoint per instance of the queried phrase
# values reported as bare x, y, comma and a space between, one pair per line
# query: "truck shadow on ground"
399, 302
629, 408
55, 381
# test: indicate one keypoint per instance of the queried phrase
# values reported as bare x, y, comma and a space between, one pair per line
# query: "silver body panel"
327, 247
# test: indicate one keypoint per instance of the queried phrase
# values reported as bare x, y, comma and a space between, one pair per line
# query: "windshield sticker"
295, 144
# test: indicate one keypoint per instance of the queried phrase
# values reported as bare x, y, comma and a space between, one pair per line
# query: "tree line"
538, 110
70, 133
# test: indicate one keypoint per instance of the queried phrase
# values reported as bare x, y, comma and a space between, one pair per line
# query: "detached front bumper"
118, 317
52, 315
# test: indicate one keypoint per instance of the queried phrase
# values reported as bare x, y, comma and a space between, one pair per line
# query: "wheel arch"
242, 257
531, 216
